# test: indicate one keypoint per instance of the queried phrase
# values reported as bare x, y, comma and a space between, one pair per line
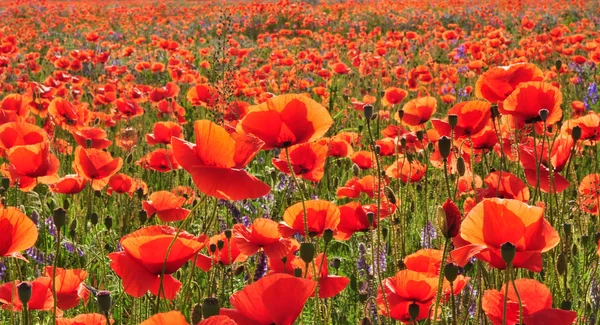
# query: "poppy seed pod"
66, 204
377, 149
212, 248
389, 194
366, 321
59, 217
370, 217
93, 217
355, 170
362, 297
495, 112
566, 305
420, 135
460, 166
140, 193
400, 115
104, 301
452, 120
220, 244
336, 262
108, 222
576, 133
227, 233
558, 65
401, 265
24, 292
561, 263
544, 114
307, 252
5, 182
197, 314
327, 235
298, 272
413, 311
567, 230
210, 307
368, 111
384, 232
129, 159
508, 252
403, 142
451, 272
142, 216
444, 144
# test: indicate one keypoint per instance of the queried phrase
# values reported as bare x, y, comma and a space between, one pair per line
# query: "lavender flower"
428, 234
382, 258
261, 267
362, 263
595, 299
72, 249
2, 270
591, 97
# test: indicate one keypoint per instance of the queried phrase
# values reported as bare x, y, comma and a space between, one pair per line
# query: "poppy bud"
142, 216
355, 169
508, 252
567, 229
298, 272
401, 265
574, 250
413, 311
220, 244
561, 263
403, 142
93, 218
558, 65
360, 128
98, 193
227, 233
66, 204
366, 321
59, 217
336, 263
544, 114
451, 272
384, 232
210, 307
197, 314
108, 222
140, 193
576, 133
377, 149
444, 146
104, 301
238, 270
307, 252
212, 248
389, 194
449, 219
327, 235
596, 237
400, 115
430, 146
5, 182
368, 111
129, 159
452, 120
370, 217
420, 135
24, 291
460, 166
362, 297
566, 305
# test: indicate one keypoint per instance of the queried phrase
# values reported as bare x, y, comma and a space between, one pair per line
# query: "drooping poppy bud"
104, 301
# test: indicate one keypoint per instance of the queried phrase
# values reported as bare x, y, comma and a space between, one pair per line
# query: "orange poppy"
407, 171
91, 137
120, 183
160, 160
63, 113
429, 263
84, 319
559, 155
536, 301
328, 285
13, 108
473, 116
216, 160
589, 193
307, 160
493, 222
403, 289
32, 164
286, 120
128, 108
21, 133
202, 95
263, 233
363, 159
170, 90
142, 260
498, 83
169, 318
353, 218
96, 165
336, 147
417, 111
69, 286
274, 299
19, 232
529, 98
70, 184
223, 256
41, 296
166, 206
320, 215
355, 186
504, 185
589, 124
393, 96
162, 133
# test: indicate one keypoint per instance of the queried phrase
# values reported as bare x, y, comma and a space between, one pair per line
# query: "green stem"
510, 270
440, 281
56, 257
289, 162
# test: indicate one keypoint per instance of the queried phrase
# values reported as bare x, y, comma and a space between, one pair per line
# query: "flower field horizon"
320, 162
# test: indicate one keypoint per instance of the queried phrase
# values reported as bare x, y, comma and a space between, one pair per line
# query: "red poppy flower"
91, 137
120, 183
418, 111
41, 296
589, 193
407, 171
393, 96
202, 95
403, 289
493, 222
170, 90
223, 256
18, 232
32, 164
169, 318
529, 98
69, 287
504, 185
355, 186
13, 108
274, 299
263, 233
336, 147
363, 159
559, 155
216, 160
320, 215
286, 120
166, 205
128, 108
96, 166
536, 301
589, 124
70, 184
160, 160
473, 116
498, 83
142, 260
328, 285
307, 160
63, 112
20, 134
162, 133
353, 218
83, 319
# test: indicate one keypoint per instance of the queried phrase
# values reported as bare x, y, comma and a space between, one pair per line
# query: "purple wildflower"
428, 234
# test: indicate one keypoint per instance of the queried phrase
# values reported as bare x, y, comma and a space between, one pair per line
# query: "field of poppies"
259, 163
